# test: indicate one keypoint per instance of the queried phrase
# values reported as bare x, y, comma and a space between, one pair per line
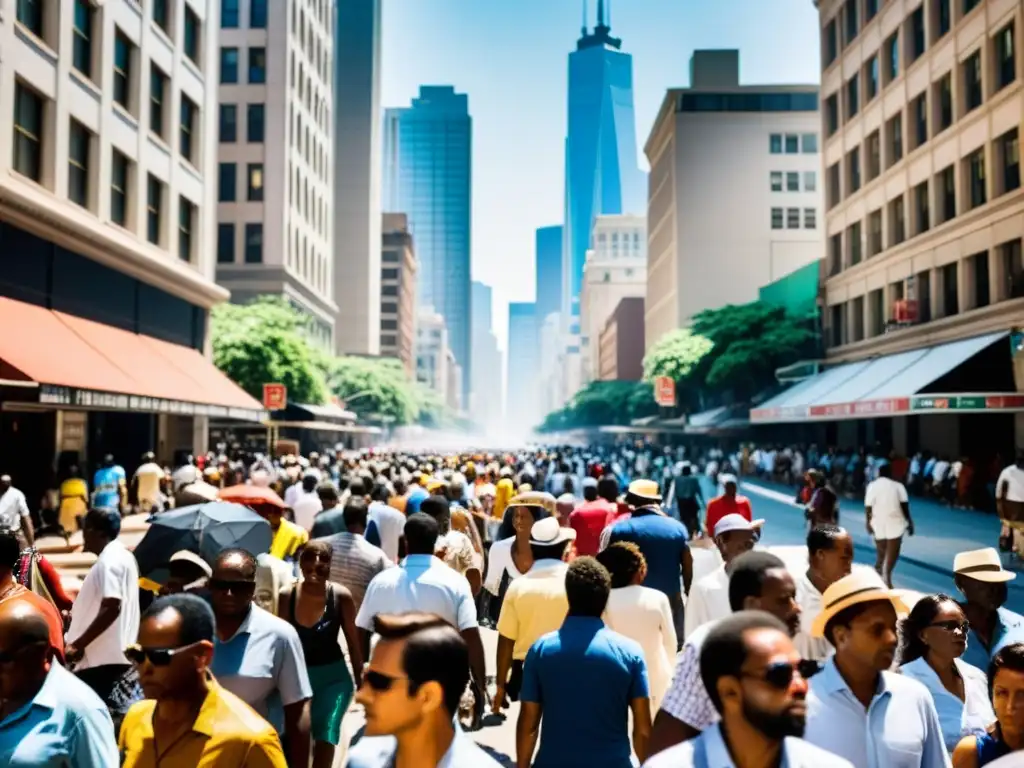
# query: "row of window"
227, 180
789, 218
256, 65
970, 85
316, 104
311, 147
230, 14
311, 206
255, 123
793, 143
932, 202
253, 243
792, 181
308, 37
311, 264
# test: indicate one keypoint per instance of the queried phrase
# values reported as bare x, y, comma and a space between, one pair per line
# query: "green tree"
265, 342
603, 403
677, 355
375, 387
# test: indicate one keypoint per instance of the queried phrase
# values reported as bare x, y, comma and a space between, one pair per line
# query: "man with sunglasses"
188, 719
752, 673
48, 717
257, 656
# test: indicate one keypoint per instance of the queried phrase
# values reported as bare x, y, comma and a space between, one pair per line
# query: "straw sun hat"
861, 586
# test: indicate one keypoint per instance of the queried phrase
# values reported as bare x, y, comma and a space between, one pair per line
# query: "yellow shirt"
227, 732
74, 502
535, 604
287, 540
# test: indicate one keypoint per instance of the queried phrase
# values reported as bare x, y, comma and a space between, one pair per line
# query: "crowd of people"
638, 617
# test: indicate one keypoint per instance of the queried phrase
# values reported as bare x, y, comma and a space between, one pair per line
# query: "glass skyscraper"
548, 252
428, 176
601, 171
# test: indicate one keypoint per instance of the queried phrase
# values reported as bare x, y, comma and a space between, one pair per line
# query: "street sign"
275, 396
665, 392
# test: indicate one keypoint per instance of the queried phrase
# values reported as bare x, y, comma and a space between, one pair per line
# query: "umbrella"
206, 529
251, 495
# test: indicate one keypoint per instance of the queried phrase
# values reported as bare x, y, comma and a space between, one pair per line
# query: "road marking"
768, 493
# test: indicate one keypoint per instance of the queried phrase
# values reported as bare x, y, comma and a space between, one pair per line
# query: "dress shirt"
379, 752
420, 583
65, 724
687, 699
1009, 629
809, 599
708, 601
534, 605
644, 615
899, 729
709, 750
970, 717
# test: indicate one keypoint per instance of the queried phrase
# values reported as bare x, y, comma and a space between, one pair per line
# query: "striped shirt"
354, 562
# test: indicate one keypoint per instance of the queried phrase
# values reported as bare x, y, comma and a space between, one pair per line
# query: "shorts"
888, 527
332, 693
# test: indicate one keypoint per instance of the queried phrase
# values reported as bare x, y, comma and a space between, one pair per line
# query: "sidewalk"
941, 531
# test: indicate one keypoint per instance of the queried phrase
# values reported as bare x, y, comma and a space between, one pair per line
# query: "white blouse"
957, 718
499, 561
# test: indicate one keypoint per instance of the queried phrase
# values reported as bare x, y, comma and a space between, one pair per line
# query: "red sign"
905, 311
665, 391
275, 396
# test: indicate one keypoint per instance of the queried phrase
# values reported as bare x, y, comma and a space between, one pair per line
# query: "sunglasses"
234, 587
953, 626
158, 657
380, 682
780, 674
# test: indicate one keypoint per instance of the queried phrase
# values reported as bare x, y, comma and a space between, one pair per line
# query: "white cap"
724, 479
733, 522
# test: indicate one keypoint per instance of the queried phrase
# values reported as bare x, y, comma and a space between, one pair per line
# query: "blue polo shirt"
662, 541
584, 676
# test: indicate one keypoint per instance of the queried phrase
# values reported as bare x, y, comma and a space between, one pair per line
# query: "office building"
485, 406
601, 171
621, 343
924, 283
107, 180
398, 292
427, 174
548, 257
735, 191
522, 411
276, 123
616, 269
434, 364
357, 169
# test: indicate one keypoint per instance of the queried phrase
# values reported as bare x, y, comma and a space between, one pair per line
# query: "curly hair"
587, 585
624, 561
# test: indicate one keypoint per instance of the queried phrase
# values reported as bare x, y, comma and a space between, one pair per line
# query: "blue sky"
510, 56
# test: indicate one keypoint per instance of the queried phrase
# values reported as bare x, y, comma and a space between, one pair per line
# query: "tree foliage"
603, 403
676, 355
378, 387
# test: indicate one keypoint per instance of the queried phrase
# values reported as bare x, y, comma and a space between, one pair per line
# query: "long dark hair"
925, 610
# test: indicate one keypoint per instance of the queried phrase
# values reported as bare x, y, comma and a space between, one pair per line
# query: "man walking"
689, 499
887, 511
709, 598
829, 558
354, 560
14, 512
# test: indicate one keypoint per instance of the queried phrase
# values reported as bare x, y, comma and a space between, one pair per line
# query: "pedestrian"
287, 536
1006, 739
857, 708
534, 605
411, 691
823, 505
829, 558
1010, 500
751, 672
689, 499
258, 656
320, 611
708, 600
146, 485
188, 719
981, 579
306, 504
453, 547
385, 523
48, 717
934, 637
887, 511
590, 518
354, 560
757, 581
640, 613
331, 518
510, 558
583, 681
730, 502
663, 543
105, 615
108, 485
11, 591
14, 512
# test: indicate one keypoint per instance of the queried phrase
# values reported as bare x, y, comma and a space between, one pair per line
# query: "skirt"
332, 693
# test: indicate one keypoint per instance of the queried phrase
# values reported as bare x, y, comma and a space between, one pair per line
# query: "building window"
852, 97
976, 178
835, 254
258, 14
186, 222
776, 181
943, 18
254, 243
257, 65
979, 266
189, 111
944, 88
1008, 149
225, 243
876, 312
792, 144
192, 34
950, 292
162, 15
870, 10
228, 123
970, 5
853, 170
1013, 268
972, 82
837, 326
157, 94
947, 193
119, 180
78, 164
919, 115
894, 138
1006, 59
28, 132
832, 114
892, 57
228, 65
871, 79
834, 192
851, 21
30, 15
897, 222
792, 181
831, 43
775, 143
254, 125
229, 14
921, 207
389, 274
792, 218
853, 243
154, 209
917, 39
388, 324
809, 143
123, 57
810, 218
81, 54
226, 176
810, 181
776, 218
875, 246
255, 183
858, 318
873, 155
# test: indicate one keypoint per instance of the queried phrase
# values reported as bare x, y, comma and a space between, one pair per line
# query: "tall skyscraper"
548, 253
485, 407
428, 176
602, 175
357, 213
522, 410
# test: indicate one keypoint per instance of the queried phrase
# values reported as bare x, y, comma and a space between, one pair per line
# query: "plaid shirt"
687, 699
354, 562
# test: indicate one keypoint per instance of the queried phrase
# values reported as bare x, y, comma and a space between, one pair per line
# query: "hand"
910, 527
499, 699
871, 531
73, 654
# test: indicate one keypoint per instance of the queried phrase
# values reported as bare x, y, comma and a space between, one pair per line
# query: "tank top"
991, 747
320, 642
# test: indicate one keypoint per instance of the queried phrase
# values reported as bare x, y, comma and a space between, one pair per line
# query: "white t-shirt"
885, 496
185, 475
13, 508
390, 527
306, 507
1013, 476
115, 574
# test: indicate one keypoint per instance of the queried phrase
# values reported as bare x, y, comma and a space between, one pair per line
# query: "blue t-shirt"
106, 485
662, 541
584, 676
416, 497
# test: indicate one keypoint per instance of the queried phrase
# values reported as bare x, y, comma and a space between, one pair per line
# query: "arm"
296, 732
641, 726
667, 732
110, 609
527, 731
686, 709
965, 755
669, 640
26, 526
687, 566
477, 665
347, 611
504, 668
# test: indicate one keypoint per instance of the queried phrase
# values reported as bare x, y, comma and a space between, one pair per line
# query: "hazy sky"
510, 56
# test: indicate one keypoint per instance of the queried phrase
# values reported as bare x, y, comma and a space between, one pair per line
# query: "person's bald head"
233, 563
22, 623
25, 651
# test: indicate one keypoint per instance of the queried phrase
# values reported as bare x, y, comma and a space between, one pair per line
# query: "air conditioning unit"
904, 311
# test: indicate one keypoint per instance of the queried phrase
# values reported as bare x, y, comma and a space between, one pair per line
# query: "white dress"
643, 614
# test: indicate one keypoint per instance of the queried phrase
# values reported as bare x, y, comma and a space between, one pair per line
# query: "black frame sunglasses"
158, 657
380, 682
953, 626
780, 674
232, 586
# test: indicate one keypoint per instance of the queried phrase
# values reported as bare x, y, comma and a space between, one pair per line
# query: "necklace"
7, 592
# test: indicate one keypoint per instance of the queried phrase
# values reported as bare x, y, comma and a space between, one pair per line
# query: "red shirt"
722, 506
53, 619
588, 520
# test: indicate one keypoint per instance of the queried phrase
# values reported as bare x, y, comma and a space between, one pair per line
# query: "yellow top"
74, 502
288, 538
534, 605
227, 732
